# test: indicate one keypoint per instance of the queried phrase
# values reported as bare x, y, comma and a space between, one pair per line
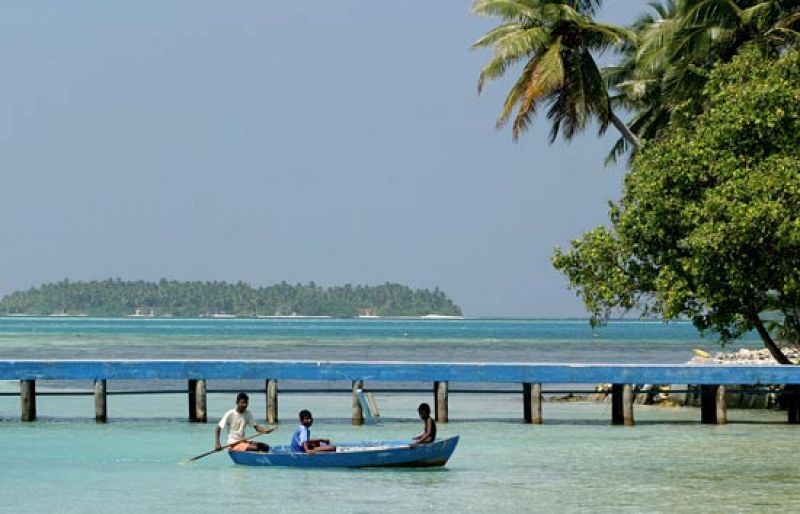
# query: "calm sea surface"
347, 339
575, 462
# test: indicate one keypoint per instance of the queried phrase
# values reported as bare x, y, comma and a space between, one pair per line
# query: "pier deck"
711, 378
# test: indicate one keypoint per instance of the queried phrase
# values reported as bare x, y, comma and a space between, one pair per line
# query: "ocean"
468, 340
575, 462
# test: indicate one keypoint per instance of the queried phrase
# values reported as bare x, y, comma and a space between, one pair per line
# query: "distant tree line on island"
115, 297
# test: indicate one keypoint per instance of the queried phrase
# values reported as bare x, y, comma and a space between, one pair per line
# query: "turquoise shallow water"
575, 462
474, 340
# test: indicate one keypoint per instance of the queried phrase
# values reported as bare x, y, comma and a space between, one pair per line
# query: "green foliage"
709, 224
664, 60
114, 297
665, 66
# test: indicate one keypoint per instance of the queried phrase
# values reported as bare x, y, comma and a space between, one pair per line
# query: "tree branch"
629, 136
776, 352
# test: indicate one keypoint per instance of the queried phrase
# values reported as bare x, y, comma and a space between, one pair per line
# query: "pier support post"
627, 405
722, 406
616, 404
713, 410
201, 403
792, 402
358, 414
532, 403
440, 401
192, 390
272, 401
100, 410
27, 399
622, 398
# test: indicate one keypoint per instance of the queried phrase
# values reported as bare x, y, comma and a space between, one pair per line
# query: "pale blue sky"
333, 141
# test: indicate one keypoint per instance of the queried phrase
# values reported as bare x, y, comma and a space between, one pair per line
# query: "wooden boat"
367, 454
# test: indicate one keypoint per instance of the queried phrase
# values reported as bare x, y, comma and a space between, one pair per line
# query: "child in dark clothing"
429, 434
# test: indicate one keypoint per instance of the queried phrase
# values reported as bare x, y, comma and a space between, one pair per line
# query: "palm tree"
664, 66
636, 84
556, 40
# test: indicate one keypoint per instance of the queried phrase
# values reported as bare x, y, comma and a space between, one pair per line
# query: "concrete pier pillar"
713, 410
272, 401
201, 402
722, 406
622, 399
191, 388
627, 405
27, 399
532, 403
358, 413
440, 406
100, 394
792, 402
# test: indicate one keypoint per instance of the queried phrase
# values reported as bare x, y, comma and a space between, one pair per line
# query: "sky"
330, 141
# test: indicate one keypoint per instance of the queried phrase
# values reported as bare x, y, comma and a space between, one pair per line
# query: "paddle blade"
226, 447
197, 457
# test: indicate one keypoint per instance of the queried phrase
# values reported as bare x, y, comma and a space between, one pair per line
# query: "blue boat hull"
368, 454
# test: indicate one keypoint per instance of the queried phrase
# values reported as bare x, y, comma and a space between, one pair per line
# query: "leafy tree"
709, 225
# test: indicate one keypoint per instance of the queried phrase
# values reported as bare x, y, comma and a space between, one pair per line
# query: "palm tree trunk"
776, 352
629, 136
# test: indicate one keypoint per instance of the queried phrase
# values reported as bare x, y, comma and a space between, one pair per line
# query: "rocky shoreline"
745, 356
688, 395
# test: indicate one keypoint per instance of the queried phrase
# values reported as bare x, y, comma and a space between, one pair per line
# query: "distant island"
115, 297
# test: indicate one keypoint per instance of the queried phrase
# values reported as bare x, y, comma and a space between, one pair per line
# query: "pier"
529, 378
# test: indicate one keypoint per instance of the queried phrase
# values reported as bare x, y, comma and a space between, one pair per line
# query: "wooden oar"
227, 446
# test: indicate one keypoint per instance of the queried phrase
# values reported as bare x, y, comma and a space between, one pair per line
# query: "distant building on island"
139, 313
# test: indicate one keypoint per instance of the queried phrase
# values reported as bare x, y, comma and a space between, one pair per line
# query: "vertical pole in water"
27, 399
272, 401
532, 403
627, 405
201, 411
722, 407
440, 401
708, 404
100, 411
358, 414
792, 402
526, 403
192, 389
616, 404
536, 398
